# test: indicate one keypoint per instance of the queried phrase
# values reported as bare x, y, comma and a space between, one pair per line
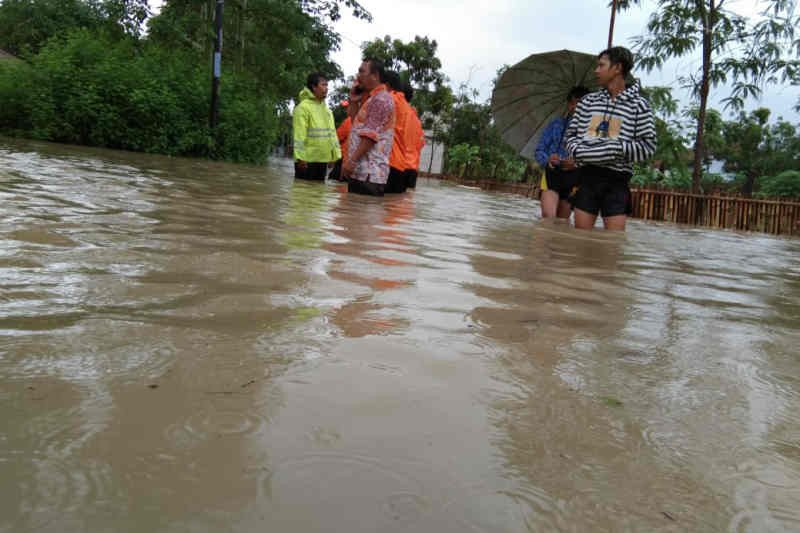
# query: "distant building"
432, 156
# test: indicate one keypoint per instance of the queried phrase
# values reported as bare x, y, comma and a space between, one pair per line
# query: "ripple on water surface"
159, 314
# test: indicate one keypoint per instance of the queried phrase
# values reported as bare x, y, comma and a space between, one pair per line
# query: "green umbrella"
534, 91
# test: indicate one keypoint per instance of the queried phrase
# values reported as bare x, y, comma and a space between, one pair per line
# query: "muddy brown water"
189, 346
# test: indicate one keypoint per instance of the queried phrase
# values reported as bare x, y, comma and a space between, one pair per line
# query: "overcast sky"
476, 37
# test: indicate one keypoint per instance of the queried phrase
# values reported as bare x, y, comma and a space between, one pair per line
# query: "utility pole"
217, 65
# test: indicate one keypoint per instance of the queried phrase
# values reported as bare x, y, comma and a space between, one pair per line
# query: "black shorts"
365, 187
561, 181
603, 191
411, 178
313, 171
396, 183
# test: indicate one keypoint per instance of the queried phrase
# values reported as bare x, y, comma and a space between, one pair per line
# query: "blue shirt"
551, 141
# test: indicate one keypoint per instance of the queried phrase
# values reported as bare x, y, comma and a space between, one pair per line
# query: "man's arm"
300, 129
640, 148
596, 151
644, 145
336, 150
365, 144
543, 151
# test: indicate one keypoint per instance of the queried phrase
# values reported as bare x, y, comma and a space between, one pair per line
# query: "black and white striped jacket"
631, 130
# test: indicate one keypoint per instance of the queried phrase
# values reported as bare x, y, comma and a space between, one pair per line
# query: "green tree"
416, 60
468, 119
713, 138
90, 89
469, 123
785, 184
94, 77
671, 151
26, 25
754, 148
418, 65
332, 9
462, 156
278, 43
747, 54
336, 98
127, 15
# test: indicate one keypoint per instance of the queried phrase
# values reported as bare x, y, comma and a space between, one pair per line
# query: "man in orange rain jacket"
415, 140
342, 133
398, 160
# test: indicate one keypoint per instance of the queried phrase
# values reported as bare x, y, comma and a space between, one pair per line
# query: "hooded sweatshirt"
315, 138
631, 130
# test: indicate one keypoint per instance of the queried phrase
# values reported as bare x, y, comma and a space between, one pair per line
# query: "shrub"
461, 156
786, 184
86, 88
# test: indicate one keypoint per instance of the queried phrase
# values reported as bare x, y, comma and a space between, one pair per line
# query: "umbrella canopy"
534, 91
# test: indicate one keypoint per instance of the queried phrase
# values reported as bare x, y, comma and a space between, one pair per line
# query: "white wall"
431, 149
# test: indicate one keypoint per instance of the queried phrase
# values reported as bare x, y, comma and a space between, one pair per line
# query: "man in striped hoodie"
612, 129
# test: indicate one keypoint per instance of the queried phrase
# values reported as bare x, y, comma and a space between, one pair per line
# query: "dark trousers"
336, 171
561, 181
313, 171
396, 182
365, 187
411, 178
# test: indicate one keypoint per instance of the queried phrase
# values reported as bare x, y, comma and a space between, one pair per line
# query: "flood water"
188, 346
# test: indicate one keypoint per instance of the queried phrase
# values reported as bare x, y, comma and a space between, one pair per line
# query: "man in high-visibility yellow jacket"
315, 141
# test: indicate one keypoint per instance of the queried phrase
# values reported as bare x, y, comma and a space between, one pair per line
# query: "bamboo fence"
777, 217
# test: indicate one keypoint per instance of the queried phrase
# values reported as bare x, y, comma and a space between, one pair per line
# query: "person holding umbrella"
611, 130
560, 171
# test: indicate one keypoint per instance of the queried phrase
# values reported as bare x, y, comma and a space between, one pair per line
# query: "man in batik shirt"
370, 144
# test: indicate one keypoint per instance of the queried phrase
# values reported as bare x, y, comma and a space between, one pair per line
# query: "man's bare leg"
584, 220
615, 223
549, 202
564, 209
